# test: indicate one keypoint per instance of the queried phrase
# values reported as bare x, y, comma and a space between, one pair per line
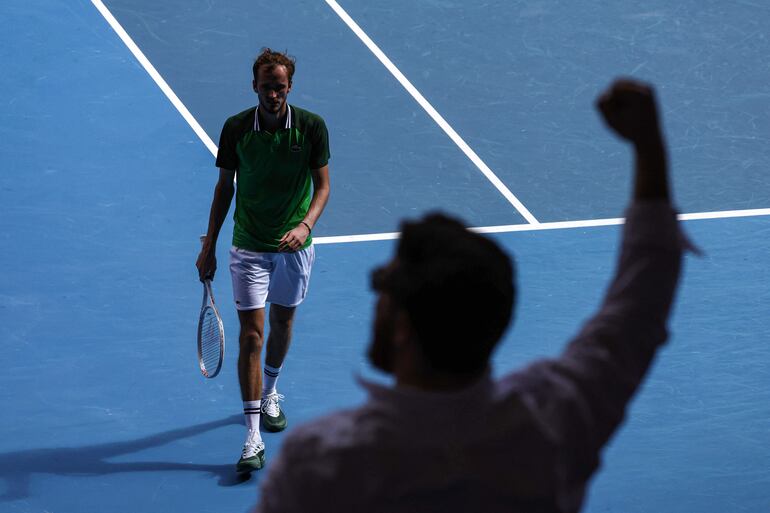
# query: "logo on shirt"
296, 148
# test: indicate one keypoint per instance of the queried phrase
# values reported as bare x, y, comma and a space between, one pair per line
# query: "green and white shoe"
272, 417
253, 455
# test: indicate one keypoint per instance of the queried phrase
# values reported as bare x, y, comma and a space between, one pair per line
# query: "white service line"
147, 65
725, 214
558, 225
440, 121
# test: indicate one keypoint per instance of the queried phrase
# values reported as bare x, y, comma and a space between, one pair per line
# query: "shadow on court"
17, 468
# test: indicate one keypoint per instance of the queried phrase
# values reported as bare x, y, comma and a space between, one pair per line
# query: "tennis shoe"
272, 417
253, 454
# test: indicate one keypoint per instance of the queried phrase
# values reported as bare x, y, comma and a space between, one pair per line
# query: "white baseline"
557, 225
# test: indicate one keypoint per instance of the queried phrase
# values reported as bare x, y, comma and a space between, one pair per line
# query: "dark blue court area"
105, 188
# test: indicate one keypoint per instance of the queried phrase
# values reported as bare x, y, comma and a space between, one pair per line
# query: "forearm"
317, 205
220, 206
648, 265
298, 235
651, 170
321, 191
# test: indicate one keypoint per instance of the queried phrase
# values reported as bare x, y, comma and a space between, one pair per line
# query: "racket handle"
209, 294
208, 278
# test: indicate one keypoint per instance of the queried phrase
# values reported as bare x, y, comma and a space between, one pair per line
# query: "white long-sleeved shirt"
529, 441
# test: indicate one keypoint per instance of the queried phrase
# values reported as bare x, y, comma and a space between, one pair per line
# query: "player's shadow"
17, 468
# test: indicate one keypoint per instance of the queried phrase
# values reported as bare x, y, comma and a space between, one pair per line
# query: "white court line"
440, 121
725, 214
147, 65
558, 225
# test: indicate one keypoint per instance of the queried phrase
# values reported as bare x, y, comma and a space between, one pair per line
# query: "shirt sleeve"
580, 397
319, 154
227, 158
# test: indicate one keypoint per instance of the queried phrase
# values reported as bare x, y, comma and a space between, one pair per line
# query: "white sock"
251, 410
269, 379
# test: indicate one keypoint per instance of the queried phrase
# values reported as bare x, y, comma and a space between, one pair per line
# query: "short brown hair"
272, 59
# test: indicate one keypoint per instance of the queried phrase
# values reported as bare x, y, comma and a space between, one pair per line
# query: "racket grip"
207, 279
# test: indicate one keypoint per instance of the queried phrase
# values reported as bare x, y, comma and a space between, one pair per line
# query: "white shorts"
280, 278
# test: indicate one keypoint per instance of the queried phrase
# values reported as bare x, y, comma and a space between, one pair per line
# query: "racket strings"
211, 341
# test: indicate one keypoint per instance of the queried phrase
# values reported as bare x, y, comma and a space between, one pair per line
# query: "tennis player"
279, 154
449, 437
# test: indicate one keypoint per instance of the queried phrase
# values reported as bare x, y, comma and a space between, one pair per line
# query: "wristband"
309, 229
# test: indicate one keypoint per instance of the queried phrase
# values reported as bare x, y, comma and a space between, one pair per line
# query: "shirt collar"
288, 118
406, 396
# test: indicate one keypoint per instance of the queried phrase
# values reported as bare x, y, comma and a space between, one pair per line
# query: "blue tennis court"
107, 180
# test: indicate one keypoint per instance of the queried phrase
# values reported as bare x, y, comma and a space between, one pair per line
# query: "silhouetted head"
445, 300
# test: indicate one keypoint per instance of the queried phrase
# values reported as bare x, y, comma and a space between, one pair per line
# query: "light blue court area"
519, 78
104, 190
516, 79
388, 157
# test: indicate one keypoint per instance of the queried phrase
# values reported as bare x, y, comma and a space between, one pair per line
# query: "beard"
381, 352
272, 107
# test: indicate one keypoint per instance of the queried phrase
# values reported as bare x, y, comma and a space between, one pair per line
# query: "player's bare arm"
220, 205
295, 238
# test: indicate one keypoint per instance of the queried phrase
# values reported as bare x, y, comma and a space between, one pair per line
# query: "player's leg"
288, 288
251, 278
250, 342
281, 321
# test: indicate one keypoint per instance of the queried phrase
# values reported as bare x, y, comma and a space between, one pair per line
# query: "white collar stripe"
256, 118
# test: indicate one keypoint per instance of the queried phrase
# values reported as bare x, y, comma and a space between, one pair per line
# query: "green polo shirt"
273, 173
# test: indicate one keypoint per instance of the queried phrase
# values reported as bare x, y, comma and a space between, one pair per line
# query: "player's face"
272, 87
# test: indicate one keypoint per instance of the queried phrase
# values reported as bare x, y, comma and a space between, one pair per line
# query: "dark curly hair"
272, 59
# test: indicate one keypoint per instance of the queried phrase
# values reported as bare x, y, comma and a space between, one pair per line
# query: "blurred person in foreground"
448, 437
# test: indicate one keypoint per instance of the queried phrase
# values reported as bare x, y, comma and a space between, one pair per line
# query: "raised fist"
629, 109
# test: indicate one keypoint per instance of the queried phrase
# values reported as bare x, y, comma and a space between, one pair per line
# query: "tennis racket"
211, 333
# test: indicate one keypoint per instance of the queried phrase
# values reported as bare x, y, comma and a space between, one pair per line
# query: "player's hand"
206, 263
294, 239
629, 109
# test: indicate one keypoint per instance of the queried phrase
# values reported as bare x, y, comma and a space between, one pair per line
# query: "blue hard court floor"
105, 188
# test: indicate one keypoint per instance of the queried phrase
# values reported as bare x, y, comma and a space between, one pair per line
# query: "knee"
282, 324
281, 318
251, 340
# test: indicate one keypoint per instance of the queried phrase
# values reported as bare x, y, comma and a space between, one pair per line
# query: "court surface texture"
111, 115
